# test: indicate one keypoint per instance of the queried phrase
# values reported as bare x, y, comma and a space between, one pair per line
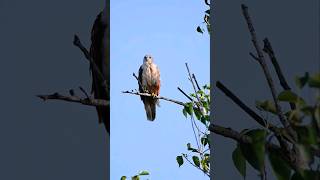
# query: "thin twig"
84, 92
185, 156
75, 99
134, 75
199, 104
185, 94
195, 80
194, 132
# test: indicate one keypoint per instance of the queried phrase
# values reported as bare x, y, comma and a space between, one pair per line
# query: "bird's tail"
150, 108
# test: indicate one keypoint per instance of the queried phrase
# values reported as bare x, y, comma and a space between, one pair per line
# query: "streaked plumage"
100, 52
149, 78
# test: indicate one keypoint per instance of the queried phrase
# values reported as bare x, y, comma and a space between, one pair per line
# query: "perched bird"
100, 53
149, 82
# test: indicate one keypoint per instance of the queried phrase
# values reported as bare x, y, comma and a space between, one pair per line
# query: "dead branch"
268, 49
185, 94
93, 65
266, 71
75, 99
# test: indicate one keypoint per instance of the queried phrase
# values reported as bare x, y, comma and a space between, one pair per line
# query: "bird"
100, 54
149, 82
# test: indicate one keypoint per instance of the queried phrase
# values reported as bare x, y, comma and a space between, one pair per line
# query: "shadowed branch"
75, 99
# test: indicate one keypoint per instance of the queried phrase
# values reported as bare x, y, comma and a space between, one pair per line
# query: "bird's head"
147, 59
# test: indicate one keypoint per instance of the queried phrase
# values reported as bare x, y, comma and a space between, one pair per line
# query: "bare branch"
158, 97
194, 87
268, 49
267, 74
245, 108
185, 94
75, 99
195, 80
93, 65
230, 133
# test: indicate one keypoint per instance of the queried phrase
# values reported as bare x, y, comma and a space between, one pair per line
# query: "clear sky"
166, 30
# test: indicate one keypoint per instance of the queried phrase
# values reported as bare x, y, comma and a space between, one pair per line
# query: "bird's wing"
141, 89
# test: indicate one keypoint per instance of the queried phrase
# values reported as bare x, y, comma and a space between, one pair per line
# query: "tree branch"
268, 49
93, 65
267, 74
75, 99
158, 97
230, 133
245, 108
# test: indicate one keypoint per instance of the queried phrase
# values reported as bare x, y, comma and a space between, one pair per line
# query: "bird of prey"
100, 53
149, 82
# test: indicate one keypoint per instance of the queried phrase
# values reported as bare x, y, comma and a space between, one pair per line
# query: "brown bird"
100, 53
149, 82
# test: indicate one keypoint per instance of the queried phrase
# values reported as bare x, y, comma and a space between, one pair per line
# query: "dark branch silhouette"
75, 99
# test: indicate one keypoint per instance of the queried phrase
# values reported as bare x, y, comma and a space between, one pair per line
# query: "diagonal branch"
245, 108
268, 49
75, 99
93, 65
266, 71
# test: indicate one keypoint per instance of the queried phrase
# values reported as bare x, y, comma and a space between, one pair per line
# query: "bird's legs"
154, 95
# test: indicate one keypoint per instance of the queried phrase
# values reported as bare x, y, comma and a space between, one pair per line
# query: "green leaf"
180, 160
204, 141
294, 116
123, 178
306, 175
239, 161
305, 153
302, 81
280, 168
289, 96
199, 30
267, 106
198, 113
306, 134
191, 149
189, 108
196, 160
255, 152
143, 173
314, 81
184, 111
136, 177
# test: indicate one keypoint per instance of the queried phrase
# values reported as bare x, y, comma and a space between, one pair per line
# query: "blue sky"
166, 30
